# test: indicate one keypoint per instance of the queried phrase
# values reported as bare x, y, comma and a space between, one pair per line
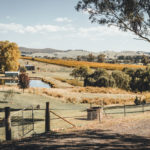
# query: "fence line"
127, 109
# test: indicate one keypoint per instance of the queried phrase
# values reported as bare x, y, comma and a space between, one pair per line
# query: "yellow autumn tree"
9, 56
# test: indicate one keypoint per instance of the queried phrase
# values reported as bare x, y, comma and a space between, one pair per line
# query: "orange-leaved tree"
9, 56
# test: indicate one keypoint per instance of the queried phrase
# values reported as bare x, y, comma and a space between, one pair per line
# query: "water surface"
38, 83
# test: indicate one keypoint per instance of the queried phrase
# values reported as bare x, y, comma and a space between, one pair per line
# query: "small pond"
33, 83
38, 83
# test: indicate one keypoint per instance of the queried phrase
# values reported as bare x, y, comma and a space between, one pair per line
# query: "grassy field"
72, 112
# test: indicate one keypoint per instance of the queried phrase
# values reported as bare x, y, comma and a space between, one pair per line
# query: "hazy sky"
56, 24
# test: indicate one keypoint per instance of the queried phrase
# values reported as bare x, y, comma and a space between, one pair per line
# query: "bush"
137, 101
143, 102
122, 79
98, 73
80, 72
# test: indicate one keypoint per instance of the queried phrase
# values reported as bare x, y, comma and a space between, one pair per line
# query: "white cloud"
11, 27
102, 30
63, 19
19, 28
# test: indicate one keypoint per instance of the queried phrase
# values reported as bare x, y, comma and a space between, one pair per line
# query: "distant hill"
33, 50
50, 52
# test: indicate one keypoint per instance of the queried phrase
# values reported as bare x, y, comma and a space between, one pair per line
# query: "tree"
122, 79
101, 58
100, 78
103, 81
78, 58
9, 56
81, 71
23, 81
90, 57
145, 60
127, 15
98, 73
22, 69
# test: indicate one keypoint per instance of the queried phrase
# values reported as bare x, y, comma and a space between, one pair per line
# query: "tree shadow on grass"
81, 139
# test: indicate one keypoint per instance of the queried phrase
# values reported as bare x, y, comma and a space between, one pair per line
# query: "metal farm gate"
22, 122
18, 124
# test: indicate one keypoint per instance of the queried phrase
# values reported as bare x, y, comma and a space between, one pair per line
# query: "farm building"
11, 82
30, 67
11, 74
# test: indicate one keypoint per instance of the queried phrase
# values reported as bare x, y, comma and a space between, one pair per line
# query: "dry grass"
85, 95
146, 96
44, 91
74, 82
106, 101
104, 97
108, 90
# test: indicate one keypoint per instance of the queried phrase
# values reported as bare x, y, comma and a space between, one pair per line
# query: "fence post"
47, 118
143, 108
33, 117
22, 123
7, 124
124, 110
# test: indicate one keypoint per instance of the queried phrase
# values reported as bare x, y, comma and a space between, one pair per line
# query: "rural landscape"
76, 98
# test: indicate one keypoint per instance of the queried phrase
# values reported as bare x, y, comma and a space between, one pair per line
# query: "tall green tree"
9, 56
127, 15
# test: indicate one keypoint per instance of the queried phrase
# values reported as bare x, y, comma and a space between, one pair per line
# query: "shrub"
143, 101
137, 101
71, 100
